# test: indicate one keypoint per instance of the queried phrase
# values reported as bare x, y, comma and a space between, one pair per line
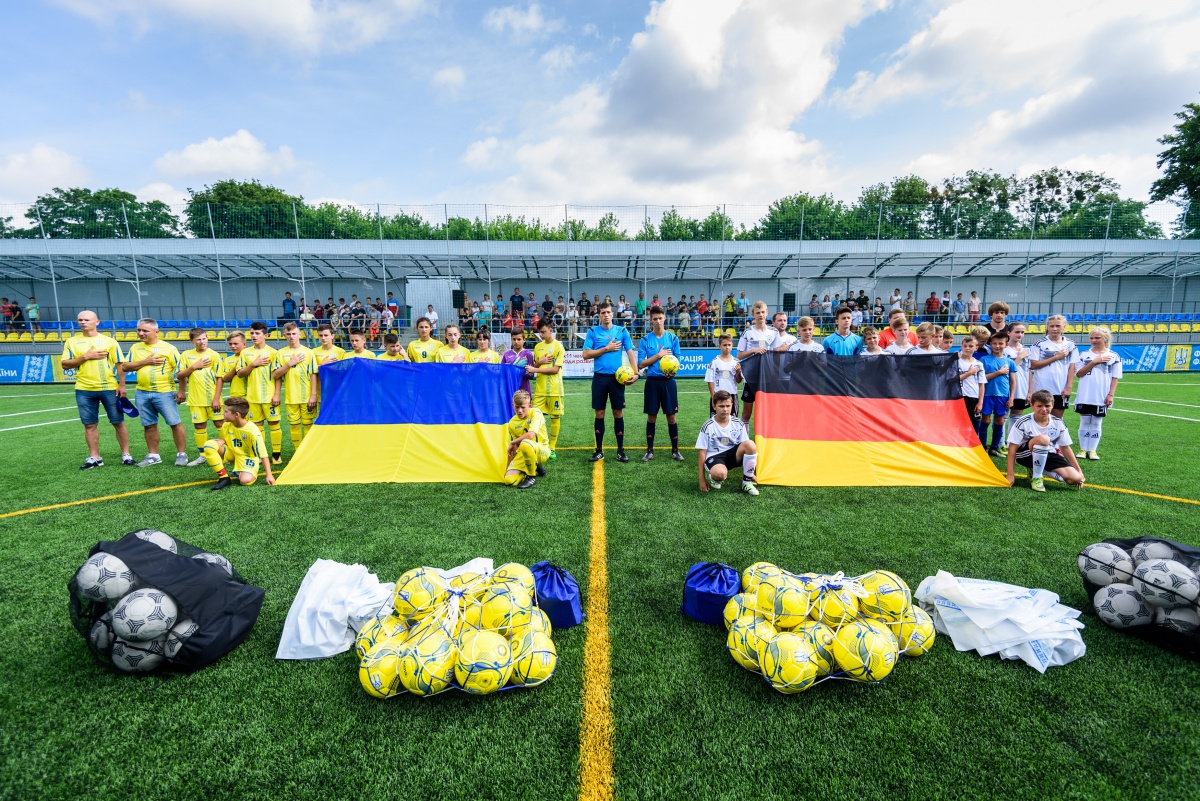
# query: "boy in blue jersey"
998, 392
842, 342
607, 344
660, 392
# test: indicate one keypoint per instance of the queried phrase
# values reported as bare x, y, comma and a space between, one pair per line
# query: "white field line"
38, 411
1164, 403
1152, 414
35, 425
37, 395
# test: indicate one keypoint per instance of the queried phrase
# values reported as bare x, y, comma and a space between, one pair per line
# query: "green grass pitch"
1123, 721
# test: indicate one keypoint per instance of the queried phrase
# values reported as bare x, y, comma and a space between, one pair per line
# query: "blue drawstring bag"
708, 587
558, 595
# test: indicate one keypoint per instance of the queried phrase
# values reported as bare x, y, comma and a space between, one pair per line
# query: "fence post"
646, 256
1100, 293
487, 238
878, 236
220, 280
1029, 254
54, 281
799, 253
382, 260
1175, 269
137, 282
953, 252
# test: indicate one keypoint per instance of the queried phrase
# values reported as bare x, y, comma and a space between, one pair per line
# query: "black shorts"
728, 458
1054, 461
970, 403
1059, 406
748, 392
661, 393
1019, 405
606, 389
1094, 411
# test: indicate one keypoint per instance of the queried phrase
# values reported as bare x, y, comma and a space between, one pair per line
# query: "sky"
685, 102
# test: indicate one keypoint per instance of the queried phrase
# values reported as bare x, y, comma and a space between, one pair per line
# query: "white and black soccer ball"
138, 657
1121, 607
177, 635
1104, 563
1151, 549
144, 615
1184, 619
217, 560
1165, 583
101, 636
104, 577
162, 540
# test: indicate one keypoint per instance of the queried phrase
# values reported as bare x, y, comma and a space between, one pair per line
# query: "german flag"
841, 421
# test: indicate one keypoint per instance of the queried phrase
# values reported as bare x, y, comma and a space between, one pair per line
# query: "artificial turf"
1120, 722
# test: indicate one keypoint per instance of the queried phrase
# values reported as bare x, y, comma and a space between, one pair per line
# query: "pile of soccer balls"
798, 630
1149, 583
475, 633
141, 629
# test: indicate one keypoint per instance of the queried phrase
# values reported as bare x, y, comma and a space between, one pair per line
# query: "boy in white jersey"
804, 337
1020, 356
1098, 370
1039, 442
971, 379
899, 328
723, 445
926, 343
870, 336
757, 340
1053, 363
724, 373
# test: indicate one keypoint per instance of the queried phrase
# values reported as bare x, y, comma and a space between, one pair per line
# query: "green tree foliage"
80, 213
1180, 163
823, 217
241, 210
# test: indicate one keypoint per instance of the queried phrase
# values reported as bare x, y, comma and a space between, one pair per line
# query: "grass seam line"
596, 728
20, 512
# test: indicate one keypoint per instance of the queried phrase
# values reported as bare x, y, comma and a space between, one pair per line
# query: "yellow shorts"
299, 415
260, 412
549, 405
241, 464
202, 414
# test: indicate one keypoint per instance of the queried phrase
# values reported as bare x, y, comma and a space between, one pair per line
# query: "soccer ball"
1151, 549
625, 374
833, 606
513, 572
177, 635
669, 365
1121, 607
1103, 563
752, 575
502, 608
217, 560
782, 599
1165, 583
863, 652
1184, 619
485, 662
820, 639
104, 577
101, 636
144, 615
540, 622
789, 663
379, 674
138, 657
164, 541
376, 631
427, 658
914, 632
419, 592
534, 659
473, 584
746, 636
889, 596
741, 604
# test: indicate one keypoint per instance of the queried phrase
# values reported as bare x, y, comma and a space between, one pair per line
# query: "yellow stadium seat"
1161, 328
277, 335
211, 334
39, 336
25, 337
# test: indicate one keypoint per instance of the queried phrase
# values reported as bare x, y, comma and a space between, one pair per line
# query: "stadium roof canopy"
312, 259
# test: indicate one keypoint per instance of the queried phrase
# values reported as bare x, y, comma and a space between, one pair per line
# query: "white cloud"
241, 155
525, 24
479, 154
452, 78
308, 25
26, 175
160, 190
558, 59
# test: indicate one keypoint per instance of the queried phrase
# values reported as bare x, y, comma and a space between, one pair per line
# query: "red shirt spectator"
702, 306
932, 304
318, 312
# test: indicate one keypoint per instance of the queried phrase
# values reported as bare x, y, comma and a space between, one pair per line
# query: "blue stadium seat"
1144, 318
210, 323
246, 323
1041, 318
106, 325
1075, 318
170, 324
1089, 318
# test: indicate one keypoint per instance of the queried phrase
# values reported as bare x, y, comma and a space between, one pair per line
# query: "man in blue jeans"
156, 364
94, 358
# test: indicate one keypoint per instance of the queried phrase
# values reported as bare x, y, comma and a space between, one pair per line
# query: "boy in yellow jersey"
156, 363
326, 352
236, 384
484, 353
295, 372
452, 352
254, 365
200, 372
528, 448
358, 347
94, 358
547, 366
422, 349
239, 442
392, 352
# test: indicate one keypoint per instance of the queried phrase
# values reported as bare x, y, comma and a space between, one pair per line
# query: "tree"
1180, 181
1044, 197
977, 205
80, 213
241, 210
823, 218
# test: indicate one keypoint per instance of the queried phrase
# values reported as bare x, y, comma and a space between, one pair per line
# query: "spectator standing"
547, 307
487, 305
516, 304
877, 315
18, 317
932, 307
863, 302
910, 306
702, 306
94, 356
33, 313
973, 306
289, 306
826, 309
743, 307
432, 317
318, 312
959, 307
393, 305
584, 308
6, 310
572, 317
946, 304
896, 300
814, 307
639, 312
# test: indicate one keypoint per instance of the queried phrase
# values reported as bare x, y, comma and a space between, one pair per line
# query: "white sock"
1094, 424
748, 463
1040, 452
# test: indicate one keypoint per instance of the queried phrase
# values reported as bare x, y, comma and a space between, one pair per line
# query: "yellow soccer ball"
468, 584
485, 662
538, 621
515, 572
889, 597
782, 599
754, 574
833, 606
915, 632
376, 631
746, 636
669, 365
379, 672
788, 663
419, 592
427, 659
625, 373
534, 658
864, 653
741, 604
820, 639
504, 607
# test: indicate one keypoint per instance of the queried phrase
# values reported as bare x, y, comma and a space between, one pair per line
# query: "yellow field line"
596, 729
101, 498
1143, 494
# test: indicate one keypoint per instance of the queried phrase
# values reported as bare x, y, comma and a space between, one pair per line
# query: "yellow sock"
555, 423
296, 433
213, 456
512, 479
276, 437
526, 458
201, 436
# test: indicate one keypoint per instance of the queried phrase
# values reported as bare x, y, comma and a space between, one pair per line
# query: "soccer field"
1123, 721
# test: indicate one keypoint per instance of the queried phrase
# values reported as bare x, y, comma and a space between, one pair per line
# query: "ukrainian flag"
407, 423
884, 421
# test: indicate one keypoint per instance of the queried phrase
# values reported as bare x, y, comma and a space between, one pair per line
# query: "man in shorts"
606, 344
156, 364
94, 358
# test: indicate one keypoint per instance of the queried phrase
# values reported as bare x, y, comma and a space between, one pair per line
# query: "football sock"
555, 424
513, 478
1089, 432
526, 458
1040, 452
599, 434
650, 436
619, 430
997, 432
673, 432
201, 436
276, 437
213, 459
748, 463
296, 433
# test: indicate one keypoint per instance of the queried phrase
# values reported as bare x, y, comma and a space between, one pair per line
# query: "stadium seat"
39, 336
25, 337
1161, 328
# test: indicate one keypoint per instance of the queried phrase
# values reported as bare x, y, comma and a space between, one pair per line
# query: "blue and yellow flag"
407, 423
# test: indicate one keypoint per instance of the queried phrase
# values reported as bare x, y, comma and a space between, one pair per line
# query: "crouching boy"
239, 442
528, 443
724, 445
